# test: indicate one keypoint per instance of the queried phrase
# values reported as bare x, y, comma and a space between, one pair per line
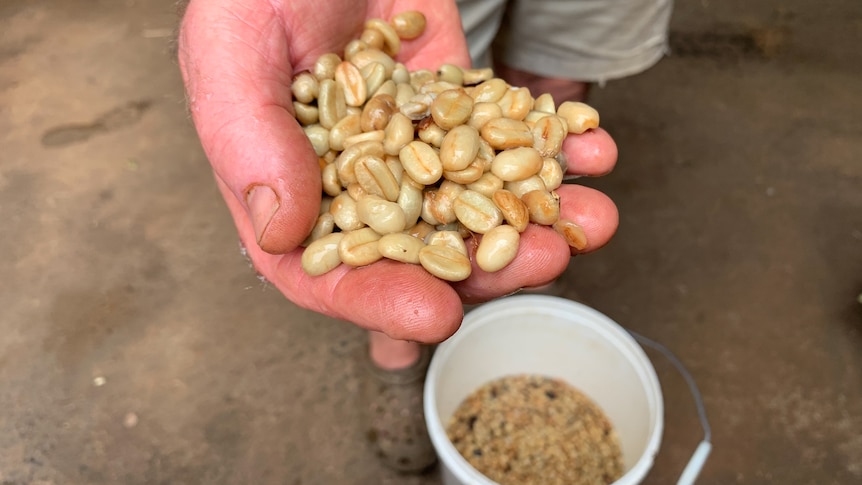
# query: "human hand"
238, 58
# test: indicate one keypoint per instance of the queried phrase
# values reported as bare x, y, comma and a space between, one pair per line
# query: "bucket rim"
580, 314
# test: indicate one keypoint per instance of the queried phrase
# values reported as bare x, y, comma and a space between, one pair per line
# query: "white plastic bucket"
537, 334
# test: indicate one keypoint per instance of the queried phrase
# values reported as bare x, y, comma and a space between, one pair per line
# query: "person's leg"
393, 398
480, 20
563, 46
389, 354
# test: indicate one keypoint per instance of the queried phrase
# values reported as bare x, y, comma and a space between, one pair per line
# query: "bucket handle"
701, 453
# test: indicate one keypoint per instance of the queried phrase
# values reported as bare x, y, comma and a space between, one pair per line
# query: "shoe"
395, 417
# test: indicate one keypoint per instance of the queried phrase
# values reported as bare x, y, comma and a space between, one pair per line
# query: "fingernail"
262, 205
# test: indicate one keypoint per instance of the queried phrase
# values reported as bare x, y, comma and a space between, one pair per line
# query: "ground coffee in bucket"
530, 429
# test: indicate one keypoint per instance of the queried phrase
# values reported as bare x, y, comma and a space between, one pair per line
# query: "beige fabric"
585, 40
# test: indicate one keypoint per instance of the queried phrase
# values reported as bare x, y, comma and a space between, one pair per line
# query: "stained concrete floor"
138, 347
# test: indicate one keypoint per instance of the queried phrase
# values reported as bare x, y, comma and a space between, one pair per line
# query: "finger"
591, 209
233, 56
592, 153
542, 254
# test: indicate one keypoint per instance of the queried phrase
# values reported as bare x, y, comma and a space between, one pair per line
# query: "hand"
238, 58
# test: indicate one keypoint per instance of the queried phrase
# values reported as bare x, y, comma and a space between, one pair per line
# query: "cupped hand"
238, 58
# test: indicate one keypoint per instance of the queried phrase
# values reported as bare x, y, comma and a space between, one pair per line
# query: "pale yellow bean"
404, 92
516, 103
543, 206
383, 216
471, 174
343, 210
319, 138
329, 177
572, 233
459, 147
325, 225
374, 176
397, 134
487, 184
350, 79
445, 263
451, 74
580, 117
514, 210
441, 201
505, 133
391, 41
421, 77
409, 24
548, 135
374, 75
498, 248
451, 108
415, 110
486, 154
545, 103
400, 247
521, 187
367, 56
344, 129
420, 230
484, 112
345, 163
421, 162
377, 112
305, 87
477, 212
324, 67
388, 88
448, 238
516, 164
321, 256
410, 200
306, 114
430, 132
359, 247
551, 173
356, 191
473, 77
353, 48
437, 87
330, 103
534, 116
376, 136
400, 74
395, 167
429, 205
373, 38
432, 212
490, 91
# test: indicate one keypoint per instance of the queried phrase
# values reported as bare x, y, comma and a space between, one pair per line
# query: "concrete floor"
138, 347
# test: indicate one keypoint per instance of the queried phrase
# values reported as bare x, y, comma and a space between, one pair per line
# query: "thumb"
234, 60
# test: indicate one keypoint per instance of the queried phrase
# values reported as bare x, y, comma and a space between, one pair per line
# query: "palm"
238, 62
